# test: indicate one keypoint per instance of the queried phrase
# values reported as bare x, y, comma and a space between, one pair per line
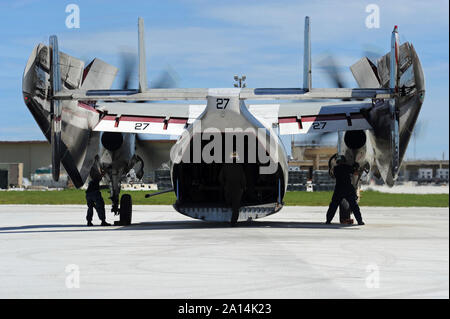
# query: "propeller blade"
373, 53
419, 129
166, 80
128, 67
328, 64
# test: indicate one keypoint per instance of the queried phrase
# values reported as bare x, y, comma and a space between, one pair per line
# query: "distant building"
425, 174
314, 157
417, 170
33, 154
311, 156
11, 175
442, 174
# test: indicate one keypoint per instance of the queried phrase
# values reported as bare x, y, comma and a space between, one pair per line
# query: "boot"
234, 217
89, 223
104, 223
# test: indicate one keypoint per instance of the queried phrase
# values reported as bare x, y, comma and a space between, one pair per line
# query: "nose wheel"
125, 210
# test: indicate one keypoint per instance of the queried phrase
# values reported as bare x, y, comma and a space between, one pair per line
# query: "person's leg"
90, 210
235, 205
351, 199
335, 200
100, 207
228, 199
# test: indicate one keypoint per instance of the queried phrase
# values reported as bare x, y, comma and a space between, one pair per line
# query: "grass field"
368, 198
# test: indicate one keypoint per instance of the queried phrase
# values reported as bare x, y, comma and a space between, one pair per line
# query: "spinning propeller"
56, 110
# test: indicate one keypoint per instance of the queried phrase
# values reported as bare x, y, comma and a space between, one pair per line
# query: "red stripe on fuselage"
315, 118
145, 119
87, 107
287, 120
333, 117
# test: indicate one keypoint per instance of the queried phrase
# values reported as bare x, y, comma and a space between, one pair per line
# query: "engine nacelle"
112, 141
356, 147
355, 139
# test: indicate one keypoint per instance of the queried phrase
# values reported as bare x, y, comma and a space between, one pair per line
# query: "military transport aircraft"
80, 115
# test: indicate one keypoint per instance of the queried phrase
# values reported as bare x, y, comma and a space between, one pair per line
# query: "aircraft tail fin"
142, 65
307, 56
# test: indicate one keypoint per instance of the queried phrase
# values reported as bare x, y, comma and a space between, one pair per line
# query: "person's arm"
349, 169
355, 168
337, 172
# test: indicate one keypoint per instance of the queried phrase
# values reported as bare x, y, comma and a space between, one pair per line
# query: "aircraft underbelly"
196, 183
223, 214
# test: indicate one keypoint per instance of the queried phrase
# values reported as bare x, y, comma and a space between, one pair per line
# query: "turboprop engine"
67, 125
382, 149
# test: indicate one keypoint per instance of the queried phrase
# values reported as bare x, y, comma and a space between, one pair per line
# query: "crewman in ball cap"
344, 189
95, 200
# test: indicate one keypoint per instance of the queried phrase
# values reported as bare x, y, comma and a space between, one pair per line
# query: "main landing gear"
125, 211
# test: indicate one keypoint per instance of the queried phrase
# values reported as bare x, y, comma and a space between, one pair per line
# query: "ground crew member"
94, 199
343, 189
232, 179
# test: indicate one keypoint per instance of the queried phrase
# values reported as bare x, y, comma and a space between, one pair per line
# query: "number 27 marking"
222, 103
140, 126
319, 125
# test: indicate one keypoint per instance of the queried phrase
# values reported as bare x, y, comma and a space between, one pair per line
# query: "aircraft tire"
126, 207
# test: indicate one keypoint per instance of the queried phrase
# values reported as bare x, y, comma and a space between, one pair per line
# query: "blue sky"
207, 42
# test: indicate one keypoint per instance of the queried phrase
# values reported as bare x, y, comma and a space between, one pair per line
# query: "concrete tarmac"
48, 252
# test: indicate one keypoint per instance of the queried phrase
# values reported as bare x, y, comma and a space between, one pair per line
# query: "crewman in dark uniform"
94, 199
232, 179
343, 189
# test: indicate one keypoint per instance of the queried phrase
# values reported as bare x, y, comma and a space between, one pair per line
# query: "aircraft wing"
291, 118
313, 117
148, 118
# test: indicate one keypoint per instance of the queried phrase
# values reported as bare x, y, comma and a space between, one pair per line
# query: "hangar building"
37, 154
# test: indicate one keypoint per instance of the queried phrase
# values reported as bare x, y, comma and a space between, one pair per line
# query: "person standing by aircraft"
343, 190
232, 179
95, 200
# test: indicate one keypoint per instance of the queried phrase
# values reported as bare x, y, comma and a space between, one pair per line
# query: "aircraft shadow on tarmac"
166, 225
